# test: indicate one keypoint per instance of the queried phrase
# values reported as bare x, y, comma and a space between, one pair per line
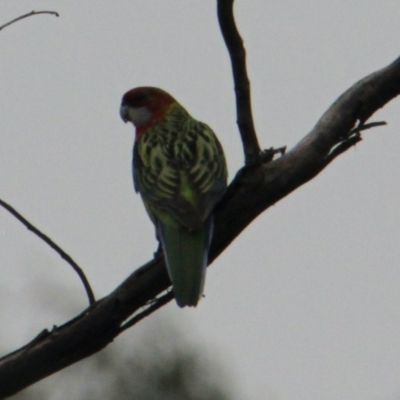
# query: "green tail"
186, 255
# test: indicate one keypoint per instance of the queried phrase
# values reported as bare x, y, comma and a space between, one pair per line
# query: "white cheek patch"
139, 115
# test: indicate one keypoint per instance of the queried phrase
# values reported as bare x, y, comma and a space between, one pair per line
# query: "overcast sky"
305, 303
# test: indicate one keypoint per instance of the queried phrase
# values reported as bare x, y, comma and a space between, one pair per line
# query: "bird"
180, 172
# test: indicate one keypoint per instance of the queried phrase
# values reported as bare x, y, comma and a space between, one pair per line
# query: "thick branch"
237, 54
271, 182
252, 191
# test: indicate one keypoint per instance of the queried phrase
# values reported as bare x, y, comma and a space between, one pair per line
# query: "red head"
145, 106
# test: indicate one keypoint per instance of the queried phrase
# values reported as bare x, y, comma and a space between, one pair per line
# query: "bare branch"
28, 15
370, 125
237, 53
85, 334
54, 246
252, 191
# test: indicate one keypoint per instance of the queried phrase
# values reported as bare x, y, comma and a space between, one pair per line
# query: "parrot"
180, 172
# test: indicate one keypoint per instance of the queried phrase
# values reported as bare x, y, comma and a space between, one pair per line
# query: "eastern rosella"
180, 172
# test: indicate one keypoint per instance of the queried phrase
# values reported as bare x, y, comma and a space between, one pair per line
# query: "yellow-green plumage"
179, 169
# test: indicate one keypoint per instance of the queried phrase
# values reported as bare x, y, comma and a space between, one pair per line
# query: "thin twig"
28, 15
237, 54
352, 139
342, 147
156, 304
54, 246
364, 127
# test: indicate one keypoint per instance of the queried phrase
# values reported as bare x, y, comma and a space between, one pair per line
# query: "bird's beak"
124, 113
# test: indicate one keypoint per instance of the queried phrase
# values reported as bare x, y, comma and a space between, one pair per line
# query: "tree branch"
237, 54
252, 191
54, 246
28, 15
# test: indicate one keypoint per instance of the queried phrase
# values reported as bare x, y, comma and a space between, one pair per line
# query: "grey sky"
305, 303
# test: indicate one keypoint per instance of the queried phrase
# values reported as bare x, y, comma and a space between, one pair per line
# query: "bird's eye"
135, 98
139, 97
